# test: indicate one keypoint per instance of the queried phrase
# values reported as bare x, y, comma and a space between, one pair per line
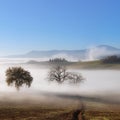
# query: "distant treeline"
58, 60
111, 59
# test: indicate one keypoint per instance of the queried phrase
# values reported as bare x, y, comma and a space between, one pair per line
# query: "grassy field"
94, 65
33, 113
52, 114
93, 111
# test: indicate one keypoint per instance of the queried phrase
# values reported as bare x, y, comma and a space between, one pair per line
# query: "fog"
97, 82
95, 53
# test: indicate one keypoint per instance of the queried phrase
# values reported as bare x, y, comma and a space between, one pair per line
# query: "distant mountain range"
86, 54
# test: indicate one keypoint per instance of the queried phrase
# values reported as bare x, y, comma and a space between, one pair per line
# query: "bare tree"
18, 76
74, 78
60, 74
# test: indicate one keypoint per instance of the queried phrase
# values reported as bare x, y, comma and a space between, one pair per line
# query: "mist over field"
97, 83
60, 60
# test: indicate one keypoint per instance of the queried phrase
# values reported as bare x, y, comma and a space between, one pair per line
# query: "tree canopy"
111, 59
58, 60
18, 76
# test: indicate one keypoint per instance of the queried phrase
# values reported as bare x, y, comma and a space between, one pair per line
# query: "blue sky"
27, 25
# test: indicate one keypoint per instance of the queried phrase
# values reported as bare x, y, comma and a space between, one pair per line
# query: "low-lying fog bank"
103, 84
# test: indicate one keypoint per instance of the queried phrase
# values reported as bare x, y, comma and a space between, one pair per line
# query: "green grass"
94, 65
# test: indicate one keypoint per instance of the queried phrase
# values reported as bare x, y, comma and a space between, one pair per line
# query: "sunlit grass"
45, 112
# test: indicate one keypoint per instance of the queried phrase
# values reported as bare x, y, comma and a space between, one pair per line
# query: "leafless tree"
60, 74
